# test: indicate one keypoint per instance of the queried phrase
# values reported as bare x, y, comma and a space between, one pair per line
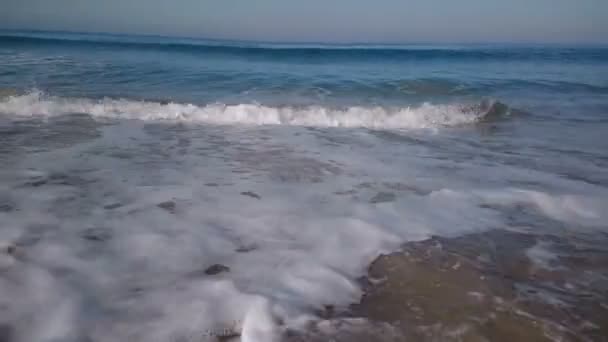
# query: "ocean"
176, 189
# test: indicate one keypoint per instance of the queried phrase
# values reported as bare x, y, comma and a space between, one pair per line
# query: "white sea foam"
581, 210
541, 255
297, 215
427, 115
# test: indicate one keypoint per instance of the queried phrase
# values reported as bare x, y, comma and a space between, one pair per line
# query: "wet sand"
494, 286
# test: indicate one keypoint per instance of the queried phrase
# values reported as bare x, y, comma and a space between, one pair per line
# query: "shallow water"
156, 190
500, 285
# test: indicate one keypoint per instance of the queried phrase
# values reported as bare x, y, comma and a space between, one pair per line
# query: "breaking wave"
426, 115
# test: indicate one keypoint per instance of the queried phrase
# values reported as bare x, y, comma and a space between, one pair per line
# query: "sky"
340, 21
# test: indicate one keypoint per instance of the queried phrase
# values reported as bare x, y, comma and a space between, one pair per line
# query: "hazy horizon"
17, 31
355, 21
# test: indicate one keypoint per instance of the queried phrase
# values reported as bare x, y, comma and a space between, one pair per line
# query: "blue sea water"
198, 71
131, 164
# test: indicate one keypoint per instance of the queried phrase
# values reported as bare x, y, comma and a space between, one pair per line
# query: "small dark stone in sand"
37, 183
228, 337
61, 179
112, 206
383, 197
168, 206
6, 333
246, 248
345, 192
97, 234
11, 249
328, 312
251, 194
6, 207
406, 188
216, 269
136, 290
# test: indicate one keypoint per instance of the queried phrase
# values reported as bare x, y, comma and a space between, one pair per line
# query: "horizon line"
311, 42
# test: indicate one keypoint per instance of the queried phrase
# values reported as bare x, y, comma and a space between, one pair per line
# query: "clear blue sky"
584, 21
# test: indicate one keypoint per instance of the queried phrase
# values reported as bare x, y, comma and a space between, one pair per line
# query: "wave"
427, 115
308, 51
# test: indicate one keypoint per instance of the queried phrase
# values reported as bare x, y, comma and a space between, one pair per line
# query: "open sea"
184, 190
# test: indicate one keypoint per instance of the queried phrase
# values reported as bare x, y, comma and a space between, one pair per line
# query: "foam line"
426, 115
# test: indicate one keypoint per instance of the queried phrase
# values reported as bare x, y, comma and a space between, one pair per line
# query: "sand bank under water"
493, 286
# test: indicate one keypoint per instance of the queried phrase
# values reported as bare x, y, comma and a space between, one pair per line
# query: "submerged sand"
493, 286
